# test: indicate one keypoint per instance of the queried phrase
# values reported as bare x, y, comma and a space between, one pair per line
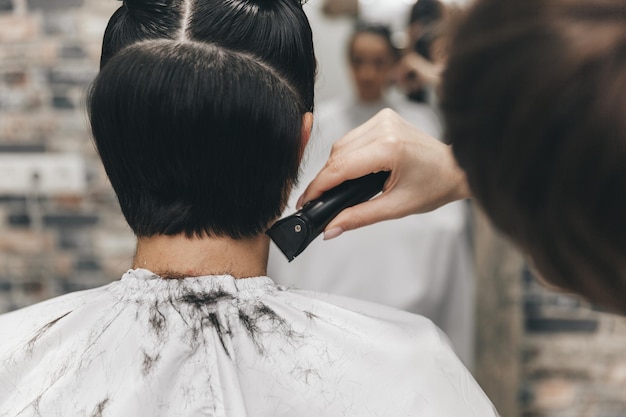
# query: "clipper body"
294, 233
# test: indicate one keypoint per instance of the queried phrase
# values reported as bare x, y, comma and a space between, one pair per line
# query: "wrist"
460, 187
462, 190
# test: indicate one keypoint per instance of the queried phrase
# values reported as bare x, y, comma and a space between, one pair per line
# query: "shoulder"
372, 343
23, 323
372, 320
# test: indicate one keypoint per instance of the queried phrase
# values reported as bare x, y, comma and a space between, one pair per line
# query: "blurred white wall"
330, 36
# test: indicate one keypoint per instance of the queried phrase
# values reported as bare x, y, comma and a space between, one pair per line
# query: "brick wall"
562, 357
60, 242
542, 353
573, 357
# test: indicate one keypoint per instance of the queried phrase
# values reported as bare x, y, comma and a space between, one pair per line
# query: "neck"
181, 257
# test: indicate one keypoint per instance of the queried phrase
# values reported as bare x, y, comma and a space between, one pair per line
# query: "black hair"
426, 12
196, 138
423, 45
276, 31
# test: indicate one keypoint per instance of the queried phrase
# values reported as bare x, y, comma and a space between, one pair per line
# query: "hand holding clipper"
294, 233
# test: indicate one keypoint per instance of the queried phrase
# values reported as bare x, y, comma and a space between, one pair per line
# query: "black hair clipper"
294, 233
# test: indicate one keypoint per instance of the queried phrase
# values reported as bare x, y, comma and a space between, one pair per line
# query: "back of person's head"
434, 43
276, 31
196, 138
534, 101
426, 12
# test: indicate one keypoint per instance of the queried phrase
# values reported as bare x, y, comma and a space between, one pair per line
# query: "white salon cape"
421, 264
217, 346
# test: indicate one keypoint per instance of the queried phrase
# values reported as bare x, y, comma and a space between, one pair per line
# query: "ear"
307, 128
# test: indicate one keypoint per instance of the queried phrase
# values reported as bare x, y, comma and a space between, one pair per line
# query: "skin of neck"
176, 257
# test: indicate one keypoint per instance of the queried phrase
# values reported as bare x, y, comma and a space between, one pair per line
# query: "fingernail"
333, 233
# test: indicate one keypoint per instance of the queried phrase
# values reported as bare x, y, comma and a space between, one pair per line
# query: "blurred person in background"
422, 264
423, 16
419, 70
418, 73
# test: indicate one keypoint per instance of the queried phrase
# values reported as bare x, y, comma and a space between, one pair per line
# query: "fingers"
342, 167
364, 214
352, 218
356, 154
424, 175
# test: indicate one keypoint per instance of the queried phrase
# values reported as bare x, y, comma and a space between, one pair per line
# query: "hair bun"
268, 3
146, 6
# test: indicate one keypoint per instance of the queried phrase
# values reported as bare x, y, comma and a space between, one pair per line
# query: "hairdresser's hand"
424, 174
414, 72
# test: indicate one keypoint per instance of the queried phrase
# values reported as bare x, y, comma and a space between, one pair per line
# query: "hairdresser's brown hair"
534, 99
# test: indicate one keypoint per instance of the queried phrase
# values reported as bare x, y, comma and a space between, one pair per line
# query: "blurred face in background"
371, 61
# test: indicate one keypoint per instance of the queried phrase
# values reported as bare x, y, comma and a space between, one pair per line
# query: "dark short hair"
196, 138
426, 12
276, 31
534, 98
